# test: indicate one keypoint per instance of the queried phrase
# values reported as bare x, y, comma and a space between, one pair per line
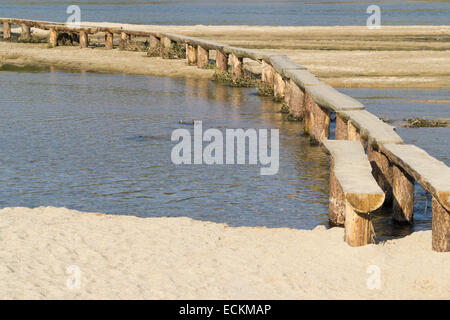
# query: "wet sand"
353, 57
125, 257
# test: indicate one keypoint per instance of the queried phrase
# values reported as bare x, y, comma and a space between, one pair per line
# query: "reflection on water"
234, 12
97, 142
102, 143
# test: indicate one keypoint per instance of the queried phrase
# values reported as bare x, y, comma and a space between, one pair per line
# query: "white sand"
128, 257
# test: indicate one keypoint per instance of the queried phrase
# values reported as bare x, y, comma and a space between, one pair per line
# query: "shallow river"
98, 142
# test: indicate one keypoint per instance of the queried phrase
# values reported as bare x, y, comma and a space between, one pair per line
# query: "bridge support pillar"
221, 61
84, 39
354, 134
279, 86
358, 227
403, 196
191, 54
237, 66
53, 39
440, 227
319, 121
166, 42
382, 172
109, 40
336, 205
296, 100
153, 42
341, 131
26, 32
6, 30
267, 73
202, 57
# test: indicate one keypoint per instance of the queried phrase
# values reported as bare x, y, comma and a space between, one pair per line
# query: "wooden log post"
202, 57
153, 42
440, 227
336, 205
353, 134
403, 196
166, 42
221, 61
124, 40
319, 122
382, 172
279, 86
191, 54
287, 93
26, 33
358, 227
354, 193
6, 30
341, 131
296, 101
84, 39
53, 39
237, 66
109, 40
267, 75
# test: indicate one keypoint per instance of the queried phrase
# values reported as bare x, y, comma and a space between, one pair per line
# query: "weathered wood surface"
319, 122
53, 39
26, 31
109, 40
354, 134
403, 196
6, 30
382, 171
202, 57
433, 175
440, 227
371, 128
257, 55
191, 54
282, 63
336, 205
221, 60
237, 68
279, 86
295, 100
354, 173
341, 130
303, 78
328, 97
84, 39
354, 193
206, 44
153, 41
267, 73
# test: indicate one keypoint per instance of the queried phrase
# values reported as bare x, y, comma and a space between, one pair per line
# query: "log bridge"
370, 165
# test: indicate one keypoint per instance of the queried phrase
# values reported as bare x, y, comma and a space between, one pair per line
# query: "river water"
101, 142
234, 12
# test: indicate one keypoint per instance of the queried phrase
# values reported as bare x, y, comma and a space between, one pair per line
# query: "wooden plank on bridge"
433, 175
354, 193
372, 128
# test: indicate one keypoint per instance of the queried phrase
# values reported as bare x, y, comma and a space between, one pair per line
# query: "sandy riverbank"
391, 57
155, 258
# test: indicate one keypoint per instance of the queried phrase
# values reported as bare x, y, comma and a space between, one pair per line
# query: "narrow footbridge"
370, 165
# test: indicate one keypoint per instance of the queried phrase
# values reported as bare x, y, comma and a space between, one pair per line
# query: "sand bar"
391, 57
180, 258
